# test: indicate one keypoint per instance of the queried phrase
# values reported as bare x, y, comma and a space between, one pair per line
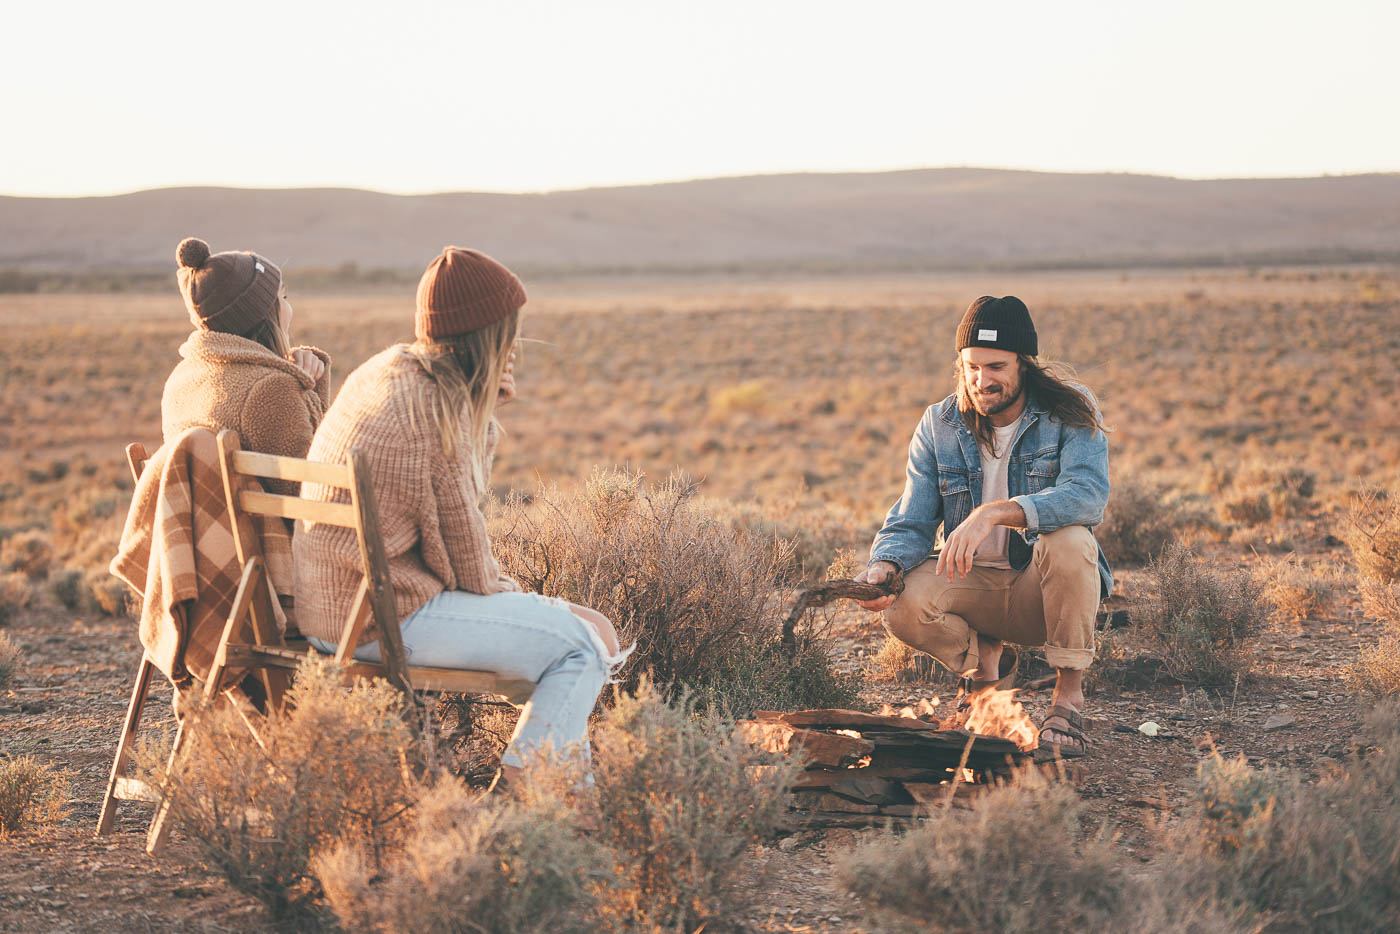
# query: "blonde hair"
270, 334
465, 371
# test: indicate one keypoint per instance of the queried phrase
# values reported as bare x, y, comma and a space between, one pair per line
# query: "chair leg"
159, 830
125, 743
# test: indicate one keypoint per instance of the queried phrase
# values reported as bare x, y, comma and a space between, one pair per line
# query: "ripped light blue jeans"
516, 635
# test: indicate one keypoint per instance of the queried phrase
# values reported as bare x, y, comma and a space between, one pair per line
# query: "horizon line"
428, 193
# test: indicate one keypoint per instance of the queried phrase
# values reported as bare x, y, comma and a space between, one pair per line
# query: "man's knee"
1073, 543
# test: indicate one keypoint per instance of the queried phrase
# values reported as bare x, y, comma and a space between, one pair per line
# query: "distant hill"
918, 218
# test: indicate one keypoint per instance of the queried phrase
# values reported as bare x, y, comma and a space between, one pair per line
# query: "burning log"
864, 768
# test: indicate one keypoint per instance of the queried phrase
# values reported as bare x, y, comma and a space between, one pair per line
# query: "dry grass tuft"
16, 592
1137, 524
470, 865
1317, 857
1376, 670
9, 659
333, 770
1372, 531
697, 595
1016, 861
28, 553
1296, 592
1201, 620
31, 795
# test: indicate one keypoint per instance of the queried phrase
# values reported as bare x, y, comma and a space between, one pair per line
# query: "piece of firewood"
814, 747
827, 591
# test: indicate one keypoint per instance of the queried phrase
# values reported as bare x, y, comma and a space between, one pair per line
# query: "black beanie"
1002, 323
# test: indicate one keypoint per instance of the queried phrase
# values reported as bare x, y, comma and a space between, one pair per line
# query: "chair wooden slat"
270, 466
133, 789
294, 507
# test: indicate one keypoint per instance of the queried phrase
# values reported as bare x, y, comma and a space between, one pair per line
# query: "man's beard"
1003, 401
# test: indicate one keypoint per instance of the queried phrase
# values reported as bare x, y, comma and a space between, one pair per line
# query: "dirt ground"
68, 703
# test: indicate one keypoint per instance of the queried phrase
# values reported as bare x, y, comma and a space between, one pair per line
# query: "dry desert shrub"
31, 795
1301, 857
1376, 670
751, 396
334, 769
1201, 620
468, 865
1016, 861
9, 660
15, 594
29, 553
1138, 523
1372, 531
696, 594
815, 532
1381, 600
1296, 592
679, 799
675, 802
1287, 490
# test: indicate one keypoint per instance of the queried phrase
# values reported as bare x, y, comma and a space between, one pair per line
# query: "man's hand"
308, 363
956, 556
878, 573
507, 390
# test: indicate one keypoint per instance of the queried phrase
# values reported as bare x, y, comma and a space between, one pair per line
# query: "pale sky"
411, 96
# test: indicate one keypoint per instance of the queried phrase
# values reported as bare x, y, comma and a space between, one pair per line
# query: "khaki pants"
1051, 603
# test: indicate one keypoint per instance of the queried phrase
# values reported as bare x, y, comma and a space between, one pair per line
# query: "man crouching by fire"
1014, 466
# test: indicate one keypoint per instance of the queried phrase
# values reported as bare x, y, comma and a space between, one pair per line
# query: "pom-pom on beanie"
230, 292
464, 290
1002, 323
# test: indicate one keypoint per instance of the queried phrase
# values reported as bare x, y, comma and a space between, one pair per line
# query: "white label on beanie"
985, 335
259, 268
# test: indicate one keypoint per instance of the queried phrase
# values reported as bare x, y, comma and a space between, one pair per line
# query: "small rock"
1279, 721
1309, 695
1149, 728
1121, 728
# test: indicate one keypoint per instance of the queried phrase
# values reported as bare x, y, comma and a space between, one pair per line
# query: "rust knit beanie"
229, 292
463, 290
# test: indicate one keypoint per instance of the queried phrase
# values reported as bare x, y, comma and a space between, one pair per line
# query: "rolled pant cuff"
1077, 659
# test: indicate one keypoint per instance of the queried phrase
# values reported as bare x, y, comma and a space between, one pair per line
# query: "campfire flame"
991, 713
999, 713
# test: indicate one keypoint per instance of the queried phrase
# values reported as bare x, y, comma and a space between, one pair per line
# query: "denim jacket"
1058, 475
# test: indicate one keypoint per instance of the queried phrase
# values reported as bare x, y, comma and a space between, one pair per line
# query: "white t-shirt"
992, 552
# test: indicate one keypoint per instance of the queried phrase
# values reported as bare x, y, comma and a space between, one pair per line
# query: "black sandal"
1048, 751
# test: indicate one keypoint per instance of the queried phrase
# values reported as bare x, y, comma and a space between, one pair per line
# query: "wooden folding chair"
120, 785
374, 601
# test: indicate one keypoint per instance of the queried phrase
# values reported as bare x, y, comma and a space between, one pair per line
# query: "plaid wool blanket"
177, 553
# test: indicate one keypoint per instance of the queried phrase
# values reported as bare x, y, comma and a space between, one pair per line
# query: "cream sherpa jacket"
429, 509
227, 381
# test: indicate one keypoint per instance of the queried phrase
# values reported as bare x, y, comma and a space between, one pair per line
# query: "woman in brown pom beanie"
424, 416
238, 371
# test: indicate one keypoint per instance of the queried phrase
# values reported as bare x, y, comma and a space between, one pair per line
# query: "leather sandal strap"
1072, 717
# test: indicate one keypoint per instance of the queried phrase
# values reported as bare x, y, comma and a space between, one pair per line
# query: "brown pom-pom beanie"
229, 292
464, 290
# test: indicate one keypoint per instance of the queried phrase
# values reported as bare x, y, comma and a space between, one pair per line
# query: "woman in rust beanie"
424, 414
237, 370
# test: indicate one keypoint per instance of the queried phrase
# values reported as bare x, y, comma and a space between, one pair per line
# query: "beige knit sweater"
429, 509
227, 381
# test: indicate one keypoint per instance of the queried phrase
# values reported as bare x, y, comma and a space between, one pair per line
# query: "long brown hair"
466, 372
1048, 382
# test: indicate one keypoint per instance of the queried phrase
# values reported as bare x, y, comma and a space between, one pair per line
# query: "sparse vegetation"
1202, 620
1303, 857
9, 659
1376, 670
15, 594
32, 794
1138, 523
1296, 592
